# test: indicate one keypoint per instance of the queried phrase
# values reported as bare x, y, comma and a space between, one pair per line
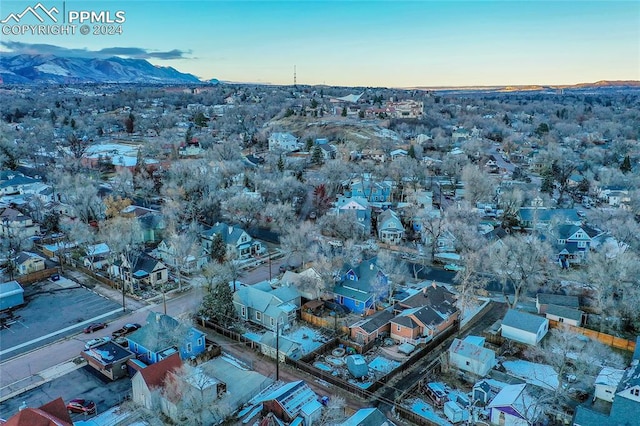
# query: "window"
189, 347
357, 303
398, 328
200, 341
273, 322
244, 312
560, 319
135, 347
467, 363
158, 276
582, 244
258, 316
635, 391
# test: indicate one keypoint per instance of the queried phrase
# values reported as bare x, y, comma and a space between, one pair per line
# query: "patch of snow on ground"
425, 410
389, 134
383, 364
360, 136
536, 374
469, 312
52, 69
313, 340
235, 362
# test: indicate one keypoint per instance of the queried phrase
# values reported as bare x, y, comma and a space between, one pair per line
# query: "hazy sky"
364, 43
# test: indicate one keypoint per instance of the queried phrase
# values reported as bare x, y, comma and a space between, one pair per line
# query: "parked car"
96, 342
95, 327
81, 406
126, 329
453, 267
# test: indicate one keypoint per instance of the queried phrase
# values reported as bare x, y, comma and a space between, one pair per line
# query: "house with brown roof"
153, 377
53, 413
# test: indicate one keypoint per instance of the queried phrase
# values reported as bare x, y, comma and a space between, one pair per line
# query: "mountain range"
46, 69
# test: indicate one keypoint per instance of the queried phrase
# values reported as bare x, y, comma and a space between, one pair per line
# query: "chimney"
371, 266
158, 316
230, 230
424, 291
433, 284
22, 406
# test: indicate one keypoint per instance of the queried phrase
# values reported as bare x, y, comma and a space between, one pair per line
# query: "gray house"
236, 239
267, 307
524, 327
390, 229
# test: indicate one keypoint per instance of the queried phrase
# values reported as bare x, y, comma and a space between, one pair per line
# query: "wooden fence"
607, 339
331, 323
101, 278
28, 279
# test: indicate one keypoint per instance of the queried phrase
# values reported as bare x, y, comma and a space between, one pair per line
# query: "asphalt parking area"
53, 310
83, 383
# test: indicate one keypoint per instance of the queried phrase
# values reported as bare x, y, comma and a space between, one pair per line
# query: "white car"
453, 267
96, 342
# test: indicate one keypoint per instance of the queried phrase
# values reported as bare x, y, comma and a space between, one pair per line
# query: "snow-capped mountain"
24, 69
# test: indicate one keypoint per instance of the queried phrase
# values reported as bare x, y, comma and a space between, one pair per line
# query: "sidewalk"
39, 379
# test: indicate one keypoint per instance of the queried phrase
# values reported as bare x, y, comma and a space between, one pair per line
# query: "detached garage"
11, 295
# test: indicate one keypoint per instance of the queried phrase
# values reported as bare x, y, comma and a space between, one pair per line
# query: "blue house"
377, 192
162, 336
361, 286
357, 206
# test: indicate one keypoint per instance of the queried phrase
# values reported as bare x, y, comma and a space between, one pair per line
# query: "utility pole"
277, 349
269, 254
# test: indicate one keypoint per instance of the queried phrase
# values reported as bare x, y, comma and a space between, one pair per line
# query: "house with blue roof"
237, 240
361, 286
270, 308
572, 242
163, 336
357, 206
377, 192
390, 228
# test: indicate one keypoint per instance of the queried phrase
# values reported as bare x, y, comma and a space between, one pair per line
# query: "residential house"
544, 300
305, 282
367, 417
624, 408
615, 195
357, 206
15, 224
146, 271
270, 344
372, 327
149, 380
239, 243
270, 308
11, 295
53, 413
361, 286
542, 217
279, 141
572, 242
524, 327
28, 262
390, 228
565, 315
109, 359
424, 315
513, 406
398, 153
97, 256
292, 400
166, 251
470, 355
372, 191
152, 223
607, 383
162, 336
408, 108
18, 184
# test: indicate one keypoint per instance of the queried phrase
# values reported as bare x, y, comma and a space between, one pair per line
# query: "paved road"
23, 370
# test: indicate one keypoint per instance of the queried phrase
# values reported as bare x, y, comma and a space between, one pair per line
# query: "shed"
565, 315
357, 366
11, 295
524, 327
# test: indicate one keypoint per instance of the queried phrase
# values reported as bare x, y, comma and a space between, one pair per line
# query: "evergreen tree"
412, 152
218, 304
129, 123
218, 249
200, 119
280, 164
344, 111
547, 181
316, 156
625, 166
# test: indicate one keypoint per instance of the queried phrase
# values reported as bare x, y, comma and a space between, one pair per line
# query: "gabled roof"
229, 234
145, 263
609, 376
558, 300
366, 272
435, 296
266, 300
26, 255
471, 351
565, 312
161, 332
155, 374
375, 321
389, 219
523, 321
291, 397
367, 417
53, 413
516, 398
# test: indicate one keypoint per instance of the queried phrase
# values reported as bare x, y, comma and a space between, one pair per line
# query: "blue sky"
366, 43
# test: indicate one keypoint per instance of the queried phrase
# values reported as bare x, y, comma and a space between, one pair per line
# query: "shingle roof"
161, 332
523, 321
229, 234
470, 350
558, 300
155, 374
53, 413
375, 321
565, 312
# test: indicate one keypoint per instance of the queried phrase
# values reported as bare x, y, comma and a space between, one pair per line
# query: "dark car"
81, 406
126, 329
95, 327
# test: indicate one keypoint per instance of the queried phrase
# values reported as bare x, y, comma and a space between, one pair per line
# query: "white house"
390, 229
607, 382
513, 406
283, 141
565, 315
470, 355
523, 327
